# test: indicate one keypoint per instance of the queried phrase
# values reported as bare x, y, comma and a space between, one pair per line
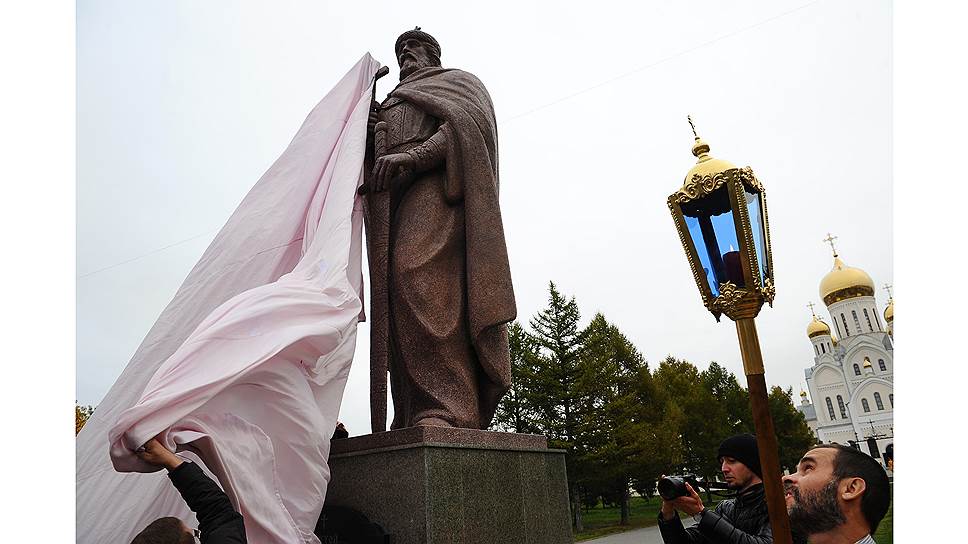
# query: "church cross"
811, 309
890, 294
830, 239
689, 117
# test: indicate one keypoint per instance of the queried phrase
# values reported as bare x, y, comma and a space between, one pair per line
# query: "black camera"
673, 487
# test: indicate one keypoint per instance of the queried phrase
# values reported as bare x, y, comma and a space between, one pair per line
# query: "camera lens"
671, 488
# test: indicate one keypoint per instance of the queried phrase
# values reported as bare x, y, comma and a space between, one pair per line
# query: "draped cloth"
245, 368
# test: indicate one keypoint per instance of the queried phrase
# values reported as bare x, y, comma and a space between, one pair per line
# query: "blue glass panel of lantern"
712, 230
695, 234
759, 233
725, 227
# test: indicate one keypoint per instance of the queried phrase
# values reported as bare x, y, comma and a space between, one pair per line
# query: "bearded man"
838, 495
440, 280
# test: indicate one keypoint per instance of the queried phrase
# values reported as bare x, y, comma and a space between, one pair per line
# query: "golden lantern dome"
706, 164
867, 362
844, 282
817, 328
889, 311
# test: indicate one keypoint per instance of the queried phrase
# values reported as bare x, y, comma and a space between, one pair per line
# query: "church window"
830, 409
856, 321
816, 350
890, 397
868, 317
844, 319
866, 405
856, 370
880, 363
878, 401
822, 348
843, 409
878, 321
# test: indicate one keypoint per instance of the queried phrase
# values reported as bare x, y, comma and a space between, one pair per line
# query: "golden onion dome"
844, 282
803, 394
817, 328
867, 362
889, 311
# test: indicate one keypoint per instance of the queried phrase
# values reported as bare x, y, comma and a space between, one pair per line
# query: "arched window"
843, 409
830, 409
882, 364
844, 319
856, 370
878, 321
890, 397
878, 401
868, 317
823, 349
816, 350
866, 405
856, 321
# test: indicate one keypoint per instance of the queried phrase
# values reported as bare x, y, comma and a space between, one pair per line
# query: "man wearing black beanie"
742, 520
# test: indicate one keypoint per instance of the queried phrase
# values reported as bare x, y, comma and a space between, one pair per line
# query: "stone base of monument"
437, 484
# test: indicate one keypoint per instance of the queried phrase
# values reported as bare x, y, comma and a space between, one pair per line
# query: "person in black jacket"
218, 522
743, 520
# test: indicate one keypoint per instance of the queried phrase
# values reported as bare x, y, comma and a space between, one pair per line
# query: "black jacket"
743, 520
218, 521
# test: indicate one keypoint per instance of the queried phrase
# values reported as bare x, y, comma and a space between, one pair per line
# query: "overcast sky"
181, 106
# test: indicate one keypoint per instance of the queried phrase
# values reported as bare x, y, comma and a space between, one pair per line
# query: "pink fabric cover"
245, 369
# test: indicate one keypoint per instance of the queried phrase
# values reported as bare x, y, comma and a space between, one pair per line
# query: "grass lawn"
885, 531
601, 521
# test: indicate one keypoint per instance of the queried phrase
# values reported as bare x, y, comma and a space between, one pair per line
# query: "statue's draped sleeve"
469, 134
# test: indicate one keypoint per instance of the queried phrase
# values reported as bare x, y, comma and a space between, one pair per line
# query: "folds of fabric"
245, 368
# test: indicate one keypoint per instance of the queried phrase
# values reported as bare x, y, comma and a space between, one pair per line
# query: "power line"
142, 256
535, 109
658, 62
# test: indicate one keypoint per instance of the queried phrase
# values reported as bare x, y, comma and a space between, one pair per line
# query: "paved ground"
646, 535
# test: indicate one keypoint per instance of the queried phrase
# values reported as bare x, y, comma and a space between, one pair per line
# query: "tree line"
622, 423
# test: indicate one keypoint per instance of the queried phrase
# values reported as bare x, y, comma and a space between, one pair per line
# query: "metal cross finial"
689, 117
811, 309
890, 294
830, 239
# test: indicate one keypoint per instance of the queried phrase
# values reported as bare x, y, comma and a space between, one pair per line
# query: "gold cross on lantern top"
830, 240
887, 287
811, 309
689, 117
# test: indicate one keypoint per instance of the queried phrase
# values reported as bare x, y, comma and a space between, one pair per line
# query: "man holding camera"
741, 520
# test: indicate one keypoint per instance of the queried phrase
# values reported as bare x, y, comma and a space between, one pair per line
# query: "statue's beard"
411, 65
816, 512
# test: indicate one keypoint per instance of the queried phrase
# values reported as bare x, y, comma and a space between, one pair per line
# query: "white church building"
851, 380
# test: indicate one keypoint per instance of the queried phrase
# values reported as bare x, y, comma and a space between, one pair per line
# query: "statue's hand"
374, 116
388, 167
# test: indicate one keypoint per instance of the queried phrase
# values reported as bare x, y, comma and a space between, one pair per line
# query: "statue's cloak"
465, 109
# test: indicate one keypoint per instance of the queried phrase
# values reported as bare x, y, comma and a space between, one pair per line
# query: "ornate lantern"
720, 213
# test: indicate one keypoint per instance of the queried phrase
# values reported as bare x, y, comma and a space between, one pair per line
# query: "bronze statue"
441, 292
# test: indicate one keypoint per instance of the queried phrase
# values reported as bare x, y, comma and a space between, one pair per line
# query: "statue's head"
416, 49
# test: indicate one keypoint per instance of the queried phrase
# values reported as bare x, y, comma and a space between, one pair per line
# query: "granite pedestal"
445, 485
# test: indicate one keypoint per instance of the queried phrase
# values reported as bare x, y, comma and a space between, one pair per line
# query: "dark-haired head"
165, 531
848, 463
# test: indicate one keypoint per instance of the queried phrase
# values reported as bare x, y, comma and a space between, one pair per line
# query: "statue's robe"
449, 283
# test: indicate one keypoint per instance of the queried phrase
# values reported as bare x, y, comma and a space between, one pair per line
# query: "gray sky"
181, 106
